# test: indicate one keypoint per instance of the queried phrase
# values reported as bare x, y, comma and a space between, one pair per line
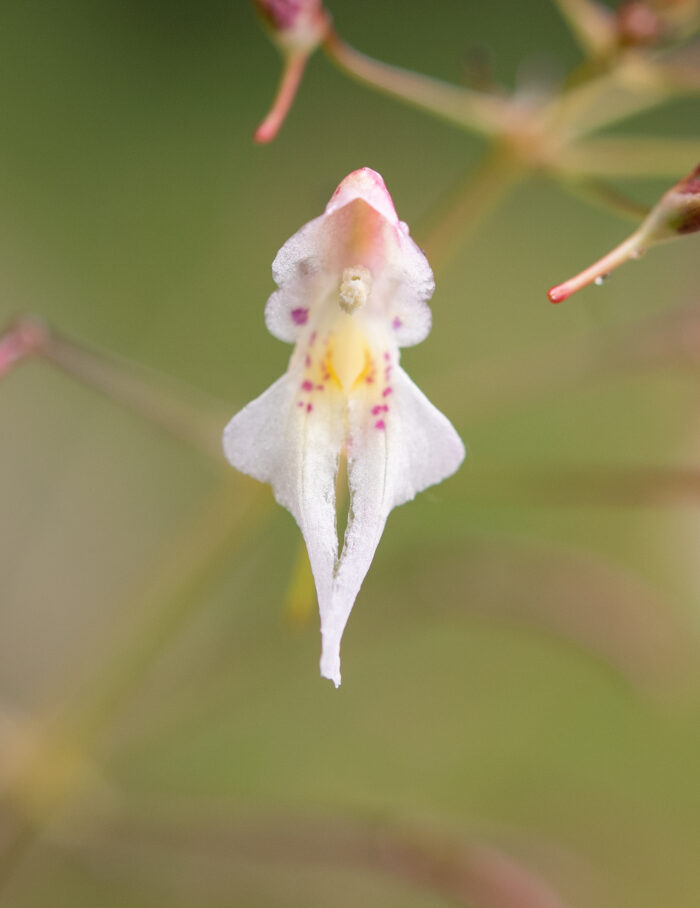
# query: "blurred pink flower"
352, 290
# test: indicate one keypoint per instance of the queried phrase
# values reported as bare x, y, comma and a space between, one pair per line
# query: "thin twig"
464, 872
191, 565
465, 207
478, 112
178, 409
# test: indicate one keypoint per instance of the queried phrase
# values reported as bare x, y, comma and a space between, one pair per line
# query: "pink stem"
286, 92
630, 248
191, 418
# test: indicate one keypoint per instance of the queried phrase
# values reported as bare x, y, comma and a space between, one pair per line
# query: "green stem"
478, 112
602, 195
629, 157
592, 24
464, 208
178, 409
603, 101
191, 566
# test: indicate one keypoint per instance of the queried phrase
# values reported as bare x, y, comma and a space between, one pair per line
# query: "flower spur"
352, 290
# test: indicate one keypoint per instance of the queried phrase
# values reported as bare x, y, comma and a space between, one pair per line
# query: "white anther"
355, 286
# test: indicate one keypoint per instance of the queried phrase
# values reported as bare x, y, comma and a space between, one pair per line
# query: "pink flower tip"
368, 185
559, 293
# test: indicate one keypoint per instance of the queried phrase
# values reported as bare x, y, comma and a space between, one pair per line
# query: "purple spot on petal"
309, 408
300, 316
307, 385
387, 357
307, 361
386, 392
378, 409
380, 424
396, 324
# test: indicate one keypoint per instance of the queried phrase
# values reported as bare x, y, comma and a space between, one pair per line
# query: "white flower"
352, 290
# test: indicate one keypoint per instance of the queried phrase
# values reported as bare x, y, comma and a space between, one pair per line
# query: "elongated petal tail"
296, 450
395, 450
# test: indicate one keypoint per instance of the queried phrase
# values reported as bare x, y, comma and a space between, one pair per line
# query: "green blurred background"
519, 669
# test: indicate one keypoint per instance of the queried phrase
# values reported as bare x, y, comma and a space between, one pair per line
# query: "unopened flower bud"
677, 212
638, 24
687, 196
297, 27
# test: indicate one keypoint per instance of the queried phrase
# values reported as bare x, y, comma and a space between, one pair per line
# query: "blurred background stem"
465, 207
191, 564
184, 412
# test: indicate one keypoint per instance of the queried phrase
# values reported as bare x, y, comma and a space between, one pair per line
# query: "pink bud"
684, 203
296, 25
676, 213
639, 24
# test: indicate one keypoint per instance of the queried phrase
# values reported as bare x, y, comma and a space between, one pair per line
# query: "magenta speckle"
396, 324
309, 408
386, 392
300, 404
300, 316
307, 362
380, 408
307, 385
380, 424
387, 357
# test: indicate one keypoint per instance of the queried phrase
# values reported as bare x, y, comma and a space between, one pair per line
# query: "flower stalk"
297, 27
676, 214
476, 111
189, 416
293, 70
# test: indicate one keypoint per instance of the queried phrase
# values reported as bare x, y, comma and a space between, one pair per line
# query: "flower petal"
368, 185
405, 277
283, 439
359, 227
392, 455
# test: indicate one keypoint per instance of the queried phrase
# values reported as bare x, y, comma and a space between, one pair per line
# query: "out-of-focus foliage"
520, 669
